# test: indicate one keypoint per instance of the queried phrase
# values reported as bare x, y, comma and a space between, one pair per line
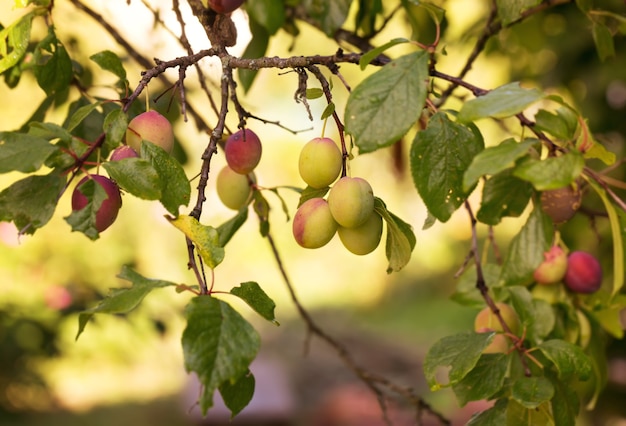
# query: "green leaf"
553, 172
227, 229
569, 360
518, 415
565, 403
255, 49
440, 155
135, 175
511, 10
30, 202
526, 249
237, 395
314, 93
218, 345
584, 5
531, 392
175, 188
536, 316
251, 293
455, 355
270, 14
14, 41
22, 152
373, 54
503, 195
484, 380
495, 159
122, 300
603, 40
81, 113
400, 238
384, 106
495, 416
328, 15
205, 238
53, 66
562, 124
109, 61
501, 102
328, 111
115, 124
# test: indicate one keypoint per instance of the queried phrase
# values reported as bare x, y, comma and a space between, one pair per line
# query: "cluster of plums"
579, 271
348, 209
150, 126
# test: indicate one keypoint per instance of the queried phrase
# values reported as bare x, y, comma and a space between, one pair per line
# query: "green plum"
351, 201
364, 238
320, 162
233, 189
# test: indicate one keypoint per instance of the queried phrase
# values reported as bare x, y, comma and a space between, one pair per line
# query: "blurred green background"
129, 370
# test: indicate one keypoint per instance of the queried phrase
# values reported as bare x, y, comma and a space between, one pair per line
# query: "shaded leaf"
218, 345
467, 294
115, 124
440, 155
553, 172
251, 293
511, 10
255, 49
328, 15
531, 392
495, 416
227, 229
518, 415
400, 238
23, 152
484, 380
384, 106
372, 54
52, 64
270, 14
603, 40
136, 176
109, 61
237, 395
503, 195
569, 360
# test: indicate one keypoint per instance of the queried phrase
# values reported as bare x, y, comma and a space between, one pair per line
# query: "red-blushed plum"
552, 269
364, 238
313, 224
150, 126
107, 213
225, 6
351, 201
233, 189
122, 152
243, 151
320, 162
584, 273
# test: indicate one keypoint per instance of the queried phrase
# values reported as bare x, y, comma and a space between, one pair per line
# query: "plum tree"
313, 224
319, 163
552, 269
107, 212
225, 6
362, 239
584, 273
561, 204
124, 151
351, 201
150, 126
243, 151
233, 189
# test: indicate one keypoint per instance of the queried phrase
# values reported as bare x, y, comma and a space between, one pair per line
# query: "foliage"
405, 97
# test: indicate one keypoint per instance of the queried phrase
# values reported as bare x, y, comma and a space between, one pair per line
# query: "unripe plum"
364, 238
584, 273
552, 269
150, 126
243, 151
107, 213
122, 152
320, 162
351, 201
225, 6
562, 203
313, 224
233, 189
486, 320
499, 345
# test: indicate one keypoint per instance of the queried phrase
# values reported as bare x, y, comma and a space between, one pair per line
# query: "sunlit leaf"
23, 152
400, 238
511, 10
502, 102
109, 61
205, 238
552, 172
14, 41
136, 176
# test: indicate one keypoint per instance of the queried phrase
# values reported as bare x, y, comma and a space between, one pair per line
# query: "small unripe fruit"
313, 224
364, 238
150, 126
233, 189
561, 204
320, 162
487, 321
243, 151
351, 201
107, 213
552, 269
225, 6
122, 152
584, 273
